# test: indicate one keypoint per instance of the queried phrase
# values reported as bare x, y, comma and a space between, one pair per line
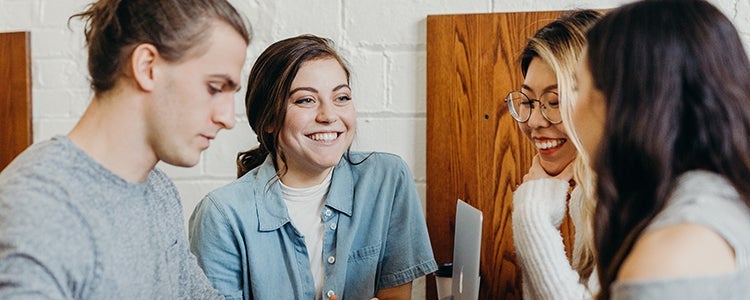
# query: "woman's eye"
344, 98
303, 101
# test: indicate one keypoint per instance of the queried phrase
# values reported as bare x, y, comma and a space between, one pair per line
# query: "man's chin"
184, 162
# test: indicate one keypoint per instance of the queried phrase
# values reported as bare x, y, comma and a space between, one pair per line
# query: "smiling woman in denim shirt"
308, 218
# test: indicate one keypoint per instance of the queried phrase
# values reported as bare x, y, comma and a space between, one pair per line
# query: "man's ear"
142, 62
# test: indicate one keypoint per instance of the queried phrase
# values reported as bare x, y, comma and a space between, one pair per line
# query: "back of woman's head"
677, 85
268, 89
560, 44
177, 28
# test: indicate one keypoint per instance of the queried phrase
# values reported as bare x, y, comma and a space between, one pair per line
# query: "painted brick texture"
383, 41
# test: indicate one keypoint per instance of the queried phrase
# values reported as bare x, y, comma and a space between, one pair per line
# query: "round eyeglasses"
520, 106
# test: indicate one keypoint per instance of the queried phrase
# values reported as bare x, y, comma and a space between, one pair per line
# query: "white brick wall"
384, 41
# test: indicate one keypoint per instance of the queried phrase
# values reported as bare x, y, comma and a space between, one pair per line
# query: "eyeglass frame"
514, 113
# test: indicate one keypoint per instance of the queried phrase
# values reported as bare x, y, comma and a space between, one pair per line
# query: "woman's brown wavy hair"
268, 90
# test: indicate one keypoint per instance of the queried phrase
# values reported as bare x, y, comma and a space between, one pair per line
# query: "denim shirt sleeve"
408, 253
217, 251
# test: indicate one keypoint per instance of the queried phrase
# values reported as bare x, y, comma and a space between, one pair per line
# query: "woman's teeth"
326, 137
549, 144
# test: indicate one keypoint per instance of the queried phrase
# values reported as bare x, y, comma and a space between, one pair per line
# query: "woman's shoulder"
381, 157
376, 160
705, 198
374, 168
240, 190
678, 251
700, 184
708, 199
700, 232
726, 287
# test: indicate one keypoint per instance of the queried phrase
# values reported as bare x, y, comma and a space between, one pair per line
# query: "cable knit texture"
539, 208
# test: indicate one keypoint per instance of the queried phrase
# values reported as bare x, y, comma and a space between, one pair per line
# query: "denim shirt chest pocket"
363, 262
364, 254
360, 250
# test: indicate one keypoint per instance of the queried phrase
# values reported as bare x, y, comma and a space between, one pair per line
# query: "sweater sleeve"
194, 282
539, 207
46, 250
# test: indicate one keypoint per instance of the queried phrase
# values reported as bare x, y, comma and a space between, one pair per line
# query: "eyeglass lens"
521, 106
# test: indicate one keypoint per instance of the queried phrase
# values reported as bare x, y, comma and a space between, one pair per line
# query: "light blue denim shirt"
375, 237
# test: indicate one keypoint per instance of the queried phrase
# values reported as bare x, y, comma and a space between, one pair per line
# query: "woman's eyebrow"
341, 86
304, 88
546, 89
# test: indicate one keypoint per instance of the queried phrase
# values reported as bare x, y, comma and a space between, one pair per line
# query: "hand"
536, 171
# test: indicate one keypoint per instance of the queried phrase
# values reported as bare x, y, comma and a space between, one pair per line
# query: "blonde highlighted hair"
560, 45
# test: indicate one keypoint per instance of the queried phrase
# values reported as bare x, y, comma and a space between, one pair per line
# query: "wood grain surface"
475, 150
15, 95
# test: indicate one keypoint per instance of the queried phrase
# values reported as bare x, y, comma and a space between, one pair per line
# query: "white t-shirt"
305, 206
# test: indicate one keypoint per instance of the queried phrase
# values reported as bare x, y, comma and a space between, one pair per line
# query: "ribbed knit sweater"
539, 207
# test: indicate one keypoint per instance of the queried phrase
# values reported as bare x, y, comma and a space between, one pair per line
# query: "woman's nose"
326, 114
537, 120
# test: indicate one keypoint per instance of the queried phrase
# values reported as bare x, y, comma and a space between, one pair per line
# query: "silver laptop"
467, 244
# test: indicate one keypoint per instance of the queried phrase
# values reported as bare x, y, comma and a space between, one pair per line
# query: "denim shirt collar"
271, 209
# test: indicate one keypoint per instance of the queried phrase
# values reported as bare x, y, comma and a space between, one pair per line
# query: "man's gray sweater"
71, 229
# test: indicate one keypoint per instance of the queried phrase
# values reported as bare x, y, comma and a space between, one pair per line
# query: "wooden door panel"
475, 150
15, 95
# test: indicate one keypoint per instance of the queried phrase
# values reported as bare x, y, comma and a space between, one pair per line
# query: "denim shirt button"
328, 212
333, 226
330, 293
331, 259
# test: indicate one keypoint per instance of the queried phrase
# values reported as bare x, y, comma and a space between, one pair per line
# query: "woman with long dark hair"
664, 110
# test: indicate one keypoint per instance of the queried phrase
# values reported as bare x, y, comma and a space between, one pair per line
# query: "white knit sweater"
539, 209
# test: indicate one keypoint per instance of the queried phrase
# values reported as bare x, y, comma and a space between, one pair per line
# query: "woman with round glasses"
541, 203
